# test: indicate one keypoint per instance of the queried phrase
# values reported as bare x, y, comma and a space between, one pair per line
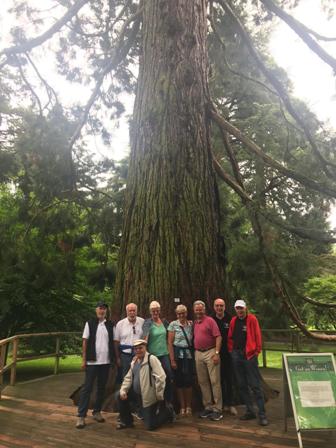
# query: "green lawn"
38, 368
273, 359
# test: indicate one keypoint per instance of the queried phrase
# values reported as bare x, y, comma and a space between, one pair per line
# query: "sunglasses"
134, 332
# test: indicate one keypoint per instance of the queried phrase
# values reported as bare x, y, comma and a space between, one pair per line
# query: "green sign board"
310, 380
313, 385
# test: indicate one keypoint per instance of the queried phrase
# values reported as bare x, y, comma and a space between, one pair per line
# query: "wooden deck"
39, 414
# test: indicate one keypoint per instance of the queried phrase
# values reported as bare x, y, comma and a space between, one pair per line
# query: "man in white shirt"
126, 332
97, 357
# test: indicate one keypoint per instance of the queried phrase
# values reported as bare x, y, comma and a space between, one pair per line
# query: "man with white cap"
144, 382
244, 343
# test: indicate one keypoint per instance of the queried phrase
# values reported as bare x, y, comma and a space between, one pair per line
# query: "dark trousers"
248, 377
168, 392
125, 361
154, 416
91, 373
226, 378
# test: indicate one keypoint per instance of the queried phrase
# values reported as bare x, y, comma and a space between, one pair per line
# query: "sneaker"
182, 412
172, 416
122, 425
263, 421
233, 410
137, 415
248, 416
188, 411
98, 417
216, 415
80, 423
206, 413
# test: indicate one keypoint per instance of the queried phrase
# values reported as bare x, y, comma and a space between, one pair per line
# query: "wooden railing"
293, 340
10, 363
273, 340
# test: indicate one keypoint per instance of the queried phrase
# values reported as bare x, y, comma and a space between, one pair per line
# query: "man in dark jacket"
97, 358
244, 343
223, 319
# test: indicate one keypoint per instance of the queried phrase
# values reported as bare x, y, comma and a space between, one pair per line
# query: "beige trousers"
208, 375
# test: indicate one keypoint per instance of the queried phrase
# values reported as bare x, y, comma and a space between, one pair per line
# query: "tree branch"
303, 32
30, 87
318, 303
36, 41
256, 150
120, 53
280, 89
276, 278
49, 89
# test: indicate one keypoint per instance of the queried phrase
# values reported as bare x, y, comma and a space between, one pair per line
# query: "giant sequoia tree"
171, 238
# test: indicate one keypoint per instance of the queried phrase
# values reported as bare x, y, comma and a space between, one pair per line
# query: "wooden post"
13, 368
298, 345
57, 354
264, 359
2, 361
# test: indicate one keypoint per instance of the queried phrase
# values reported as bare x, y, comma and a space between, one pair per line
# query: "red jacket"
253, 336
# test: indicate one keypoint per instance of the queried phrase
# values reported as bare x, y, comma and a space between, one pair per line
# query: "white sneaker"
233, 410
98, 417
80, 423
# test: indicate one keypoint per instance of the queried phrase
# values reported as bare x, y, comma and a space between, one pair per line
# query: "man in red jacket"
244, 344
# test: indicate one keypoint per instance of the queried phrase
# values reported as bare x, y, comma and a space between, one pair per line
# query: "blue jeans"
168, 392
248, 377
91, 373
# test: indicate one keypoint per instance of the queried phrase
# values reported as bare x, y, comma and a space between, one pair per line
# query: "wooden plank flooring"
39, 414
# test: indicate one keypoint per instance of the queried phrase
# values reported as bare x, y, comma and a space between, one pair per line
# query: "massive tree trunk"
171, 246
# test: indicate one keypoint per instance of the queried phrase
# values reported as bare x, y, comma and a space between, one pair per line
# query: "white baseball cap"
240, 303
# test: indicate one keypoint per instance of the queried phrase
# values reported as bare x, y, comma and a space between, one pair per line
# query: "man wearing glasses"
126, 332
244, 343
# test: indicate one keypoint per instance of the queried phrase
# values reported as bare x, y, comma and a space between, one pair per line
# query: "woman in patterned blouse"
180, 341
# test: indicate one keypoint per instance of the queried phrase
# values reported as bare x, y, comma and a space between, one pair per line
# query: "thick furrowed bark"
171, 245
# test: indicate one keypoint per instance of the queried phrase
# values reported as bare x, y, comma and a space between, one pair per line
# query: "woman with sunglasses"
155, 333
180, 337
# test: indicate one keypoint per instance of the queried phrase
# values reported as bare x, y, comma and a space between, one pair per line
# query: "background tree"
172, 241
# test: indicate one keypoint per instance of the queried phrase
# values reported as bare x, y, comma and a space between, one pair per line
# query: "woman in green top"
154, 331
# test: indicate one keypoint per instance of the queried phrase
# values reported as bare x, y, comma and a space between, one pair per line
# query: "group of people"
153, 355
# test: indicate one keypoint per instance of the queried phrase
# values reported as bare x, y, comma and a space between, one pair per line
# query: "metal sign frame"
288, 392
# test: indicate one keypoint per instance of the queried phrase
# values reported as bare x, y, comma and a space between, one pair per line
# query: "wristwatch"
217, 352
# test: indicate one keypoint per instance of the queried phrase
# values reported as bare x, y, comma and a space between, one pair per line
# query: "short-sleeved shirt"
157, 340
127, 332
205, 333
239, 334
223, 325
179, 338
102, 344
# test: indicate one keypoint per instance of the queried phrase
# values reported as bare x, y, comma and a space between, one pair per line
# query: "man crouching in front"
144, 384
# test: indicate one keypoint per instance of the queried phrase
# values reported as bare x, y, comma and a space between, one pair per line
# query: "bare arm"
84, 347
218, 343
116, 352
171, 337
